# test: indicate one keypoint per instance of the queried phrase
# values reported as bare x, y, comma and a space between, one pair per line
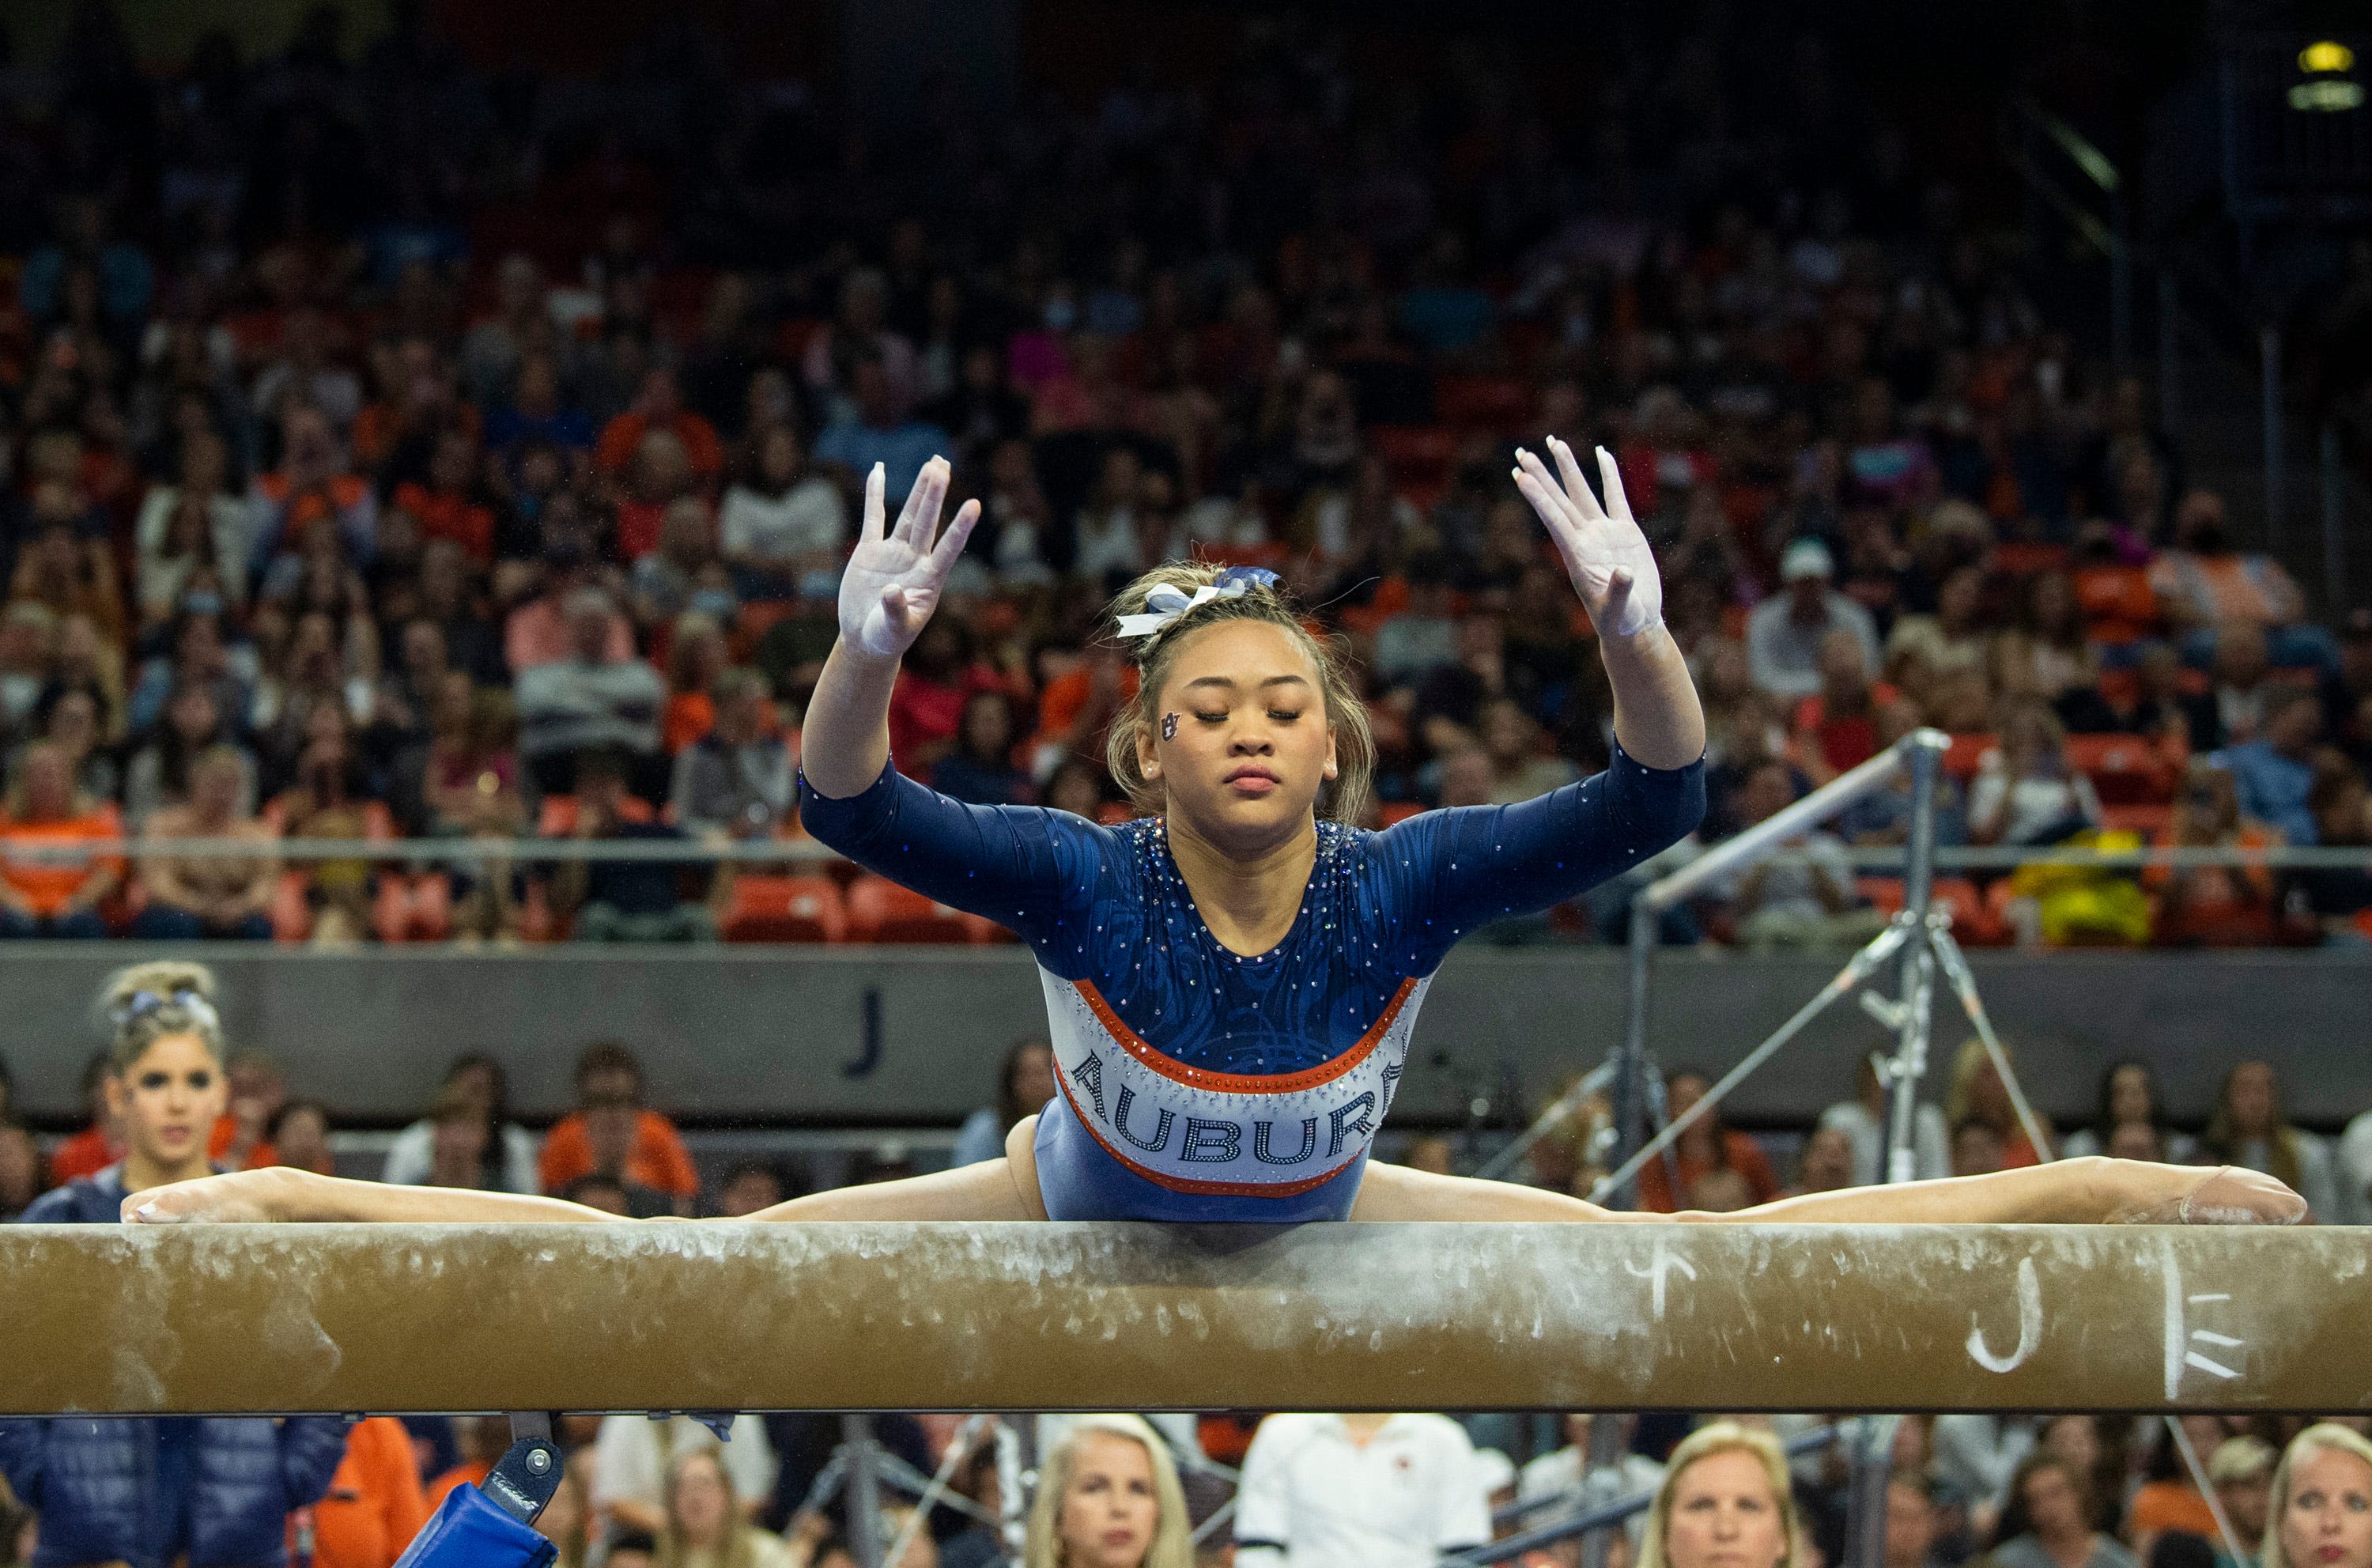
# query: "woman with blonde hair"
1231, 979
704, 1527
1725, 1501
1978, 1093
2321, 1514
1109, 1498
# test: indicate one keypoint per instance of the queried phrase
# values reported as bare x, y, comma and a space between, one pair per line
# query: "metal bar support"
864, 1488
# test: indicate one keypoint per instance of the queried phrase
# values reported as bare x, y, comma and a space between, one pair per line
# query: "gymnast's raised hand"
1232, 977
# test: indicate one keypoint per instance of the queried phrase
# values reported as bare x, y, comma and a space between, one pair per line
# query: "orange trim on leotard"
1178, 1072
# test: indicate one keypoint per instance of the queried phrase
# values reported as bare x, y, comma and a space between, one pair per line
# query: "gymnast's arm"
283, 1195
887, 595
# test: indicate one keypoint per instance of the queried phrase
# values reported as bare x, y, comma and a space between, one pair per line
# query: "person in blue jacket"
214, 1492
1231, 979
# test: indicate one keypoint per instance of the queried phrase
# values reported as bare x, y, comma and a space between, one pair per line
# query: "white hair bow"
1165, 604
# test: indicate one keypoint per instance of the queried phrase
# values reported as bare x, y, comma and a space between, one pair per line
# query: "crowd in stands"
386, 460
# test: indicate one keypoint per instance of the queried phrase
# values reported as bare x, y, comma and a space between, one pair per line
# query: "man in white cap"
1784, 633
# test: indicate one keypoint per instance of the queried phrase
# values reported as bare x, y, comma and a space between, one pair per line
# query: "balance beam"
677, 1316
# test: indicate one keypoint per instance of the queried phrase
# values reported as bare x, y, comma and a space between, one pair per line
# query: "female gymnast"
1231, 983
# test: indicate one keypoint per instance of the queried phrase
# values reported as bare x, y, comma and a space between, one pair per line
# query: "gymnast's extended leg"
995, 1190
2077, 1191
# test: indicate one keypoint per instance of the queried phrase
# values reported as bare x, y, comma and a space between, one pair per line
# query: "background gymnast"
1231, 982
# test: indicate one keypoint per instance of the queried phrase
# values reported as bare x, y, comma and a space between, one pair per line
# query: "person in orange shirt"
659, 406
448, 506
1707, 1146
56, 897
374, 1505
612, 1133
483, 1440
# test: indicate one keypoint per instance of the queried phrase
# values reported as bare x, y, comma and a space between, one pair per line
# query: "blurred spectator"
609, 1085
1805, 898
591, 697
623, 900
1976, 1147
751, 1186
2056, 1497
47, 887
1025, 1083
1950, 642
191, 897
1372, 1490
546, 627
781, 528
468, 1134
191, 538
1836, 728
1784, 633
681, 571
298, 1135
2128, 1094
937, 679
2274, 774
480, 1442
1911, 1522
881, 433
2025, 792
311, 485
1707, 1146
2203, 582
1565, 1472
331, 798
1520, 767
699, 655
2167, 1503
1977, 1093
735, 781
374, 1505
1863, 1122
634, 1458
2241, 1471
29, 636
23, 1177
2251, 1128
705, 1520
1825, 1164
2217, 905
658, 407
981, 769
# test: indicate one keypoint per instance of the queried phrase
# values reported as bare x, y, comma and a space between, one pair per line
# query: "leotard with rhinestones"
1203, 1084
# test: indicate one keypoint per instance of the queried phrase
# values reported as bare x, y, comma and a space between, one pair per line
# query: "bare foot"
2226, 1195
241, 1197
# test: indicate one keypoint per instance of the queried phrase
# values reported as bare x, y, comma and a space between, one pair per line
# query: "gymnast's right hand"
239, 1197
893, 578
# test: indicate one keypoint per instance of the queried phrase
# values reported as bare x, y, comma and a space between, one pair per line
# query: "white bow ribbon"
1165, 604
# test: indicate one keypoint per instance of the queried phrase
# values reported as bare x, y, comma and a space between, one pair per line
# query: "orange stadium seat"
2126, 769
882, 910
769, 908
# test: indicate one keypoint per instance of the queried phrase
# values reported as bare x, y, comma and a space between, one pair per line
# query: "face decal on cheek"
1169, 726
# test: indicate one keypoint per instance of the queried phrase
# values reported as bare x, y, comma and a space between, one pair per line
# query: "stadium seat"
2126, 769
1974, 921
1960, 758
882, 910
769, 908
1397, 811
2147, 819
1416, 454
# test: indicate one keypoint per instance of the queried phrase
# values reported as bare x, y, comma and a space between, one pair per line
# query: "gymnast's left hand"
239, 1197
1605, 553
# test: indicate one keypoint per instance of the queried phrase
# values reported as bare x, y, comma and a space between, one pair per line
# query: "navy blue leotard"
1203, 1084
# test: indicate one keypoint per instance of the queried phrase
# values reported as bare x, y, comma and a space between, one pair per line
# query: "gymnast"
1231, 979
